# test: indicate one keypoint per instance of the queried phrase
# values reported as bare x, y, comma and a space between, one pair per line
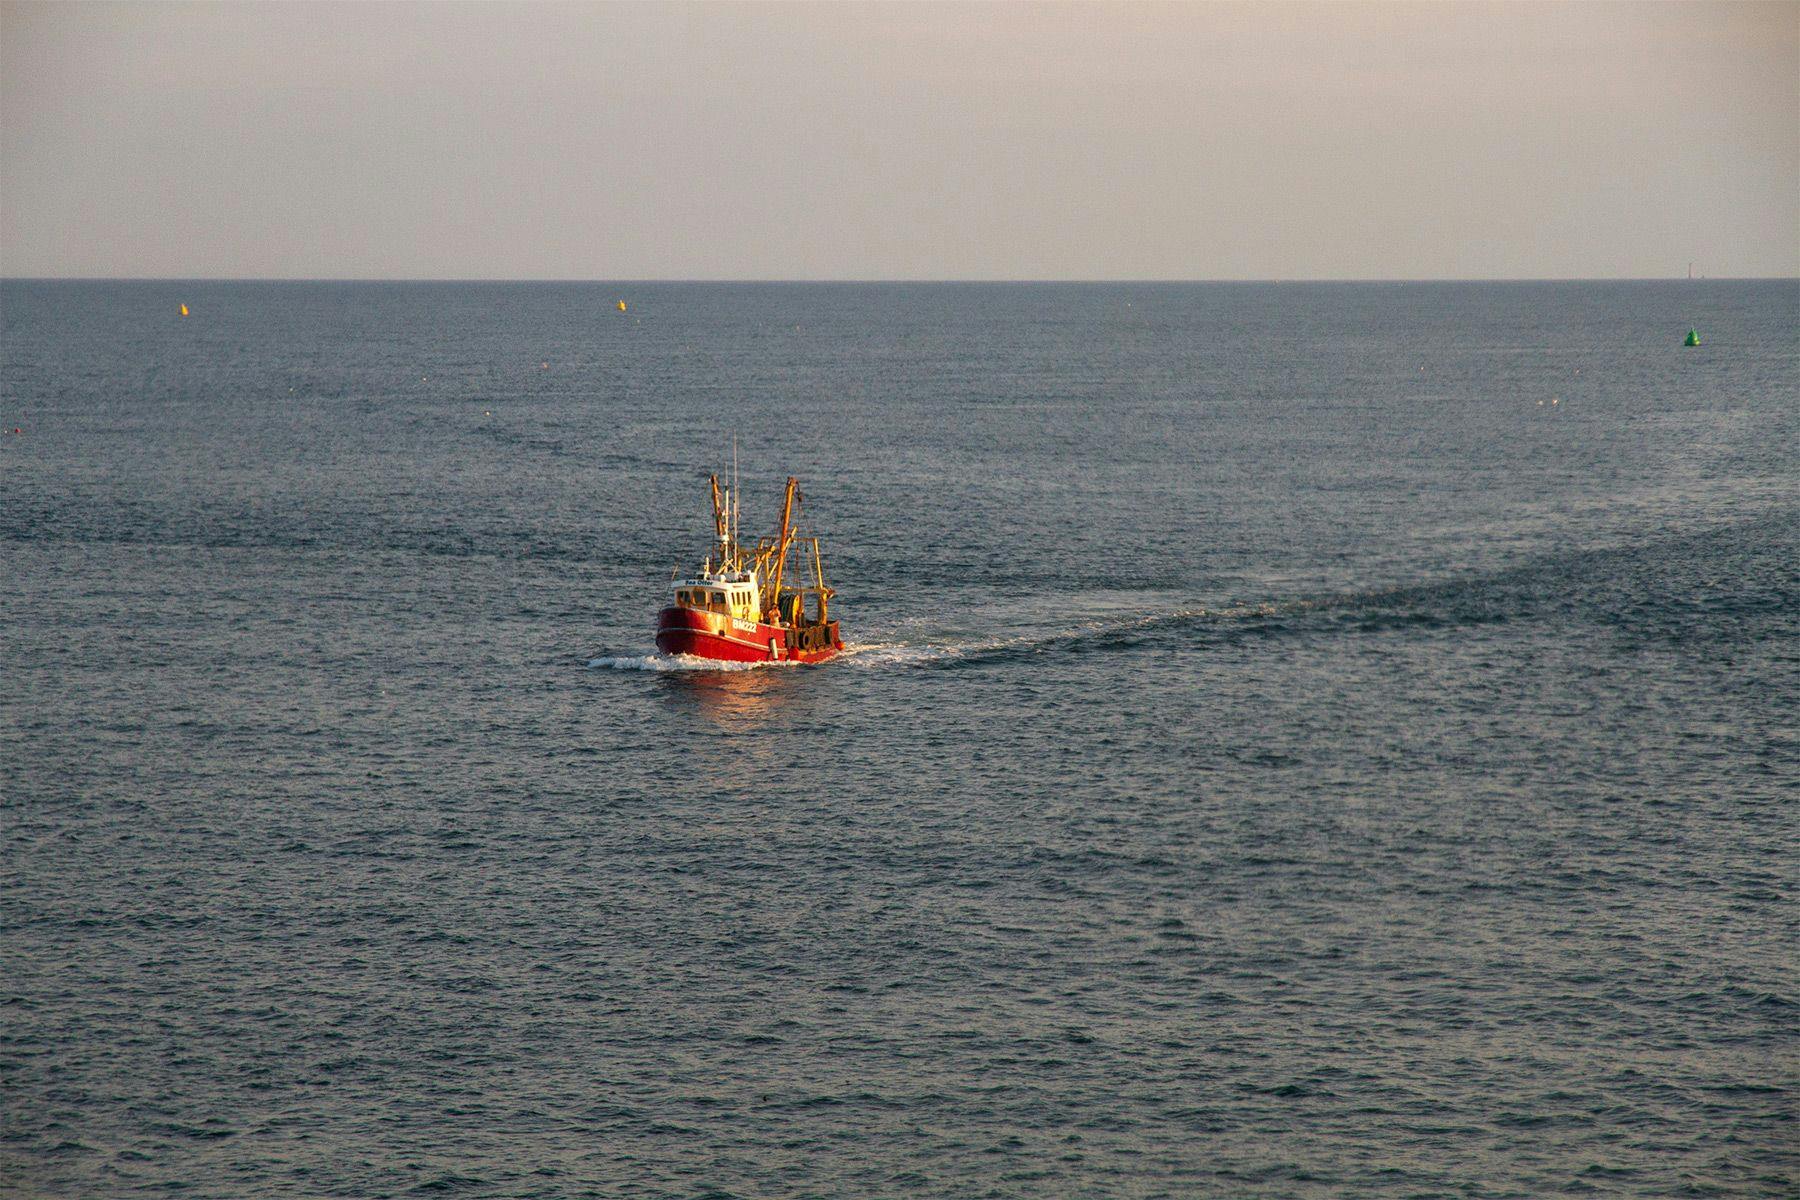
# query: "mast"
819, 578
721, 524
781, 546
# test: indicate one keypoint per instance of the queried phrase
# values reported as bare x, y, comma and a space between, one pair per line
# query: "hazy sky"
908, 141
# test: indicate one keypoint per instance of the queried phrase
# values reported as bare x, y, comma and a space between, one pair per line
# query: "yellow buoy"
184, 310
621, 306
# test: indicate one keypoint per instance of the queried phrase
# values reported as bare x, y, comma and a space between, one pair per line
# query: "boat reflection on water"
740, 700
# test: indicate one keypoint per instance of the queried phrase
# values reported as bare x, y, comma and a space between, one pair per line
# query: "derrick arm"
781, 547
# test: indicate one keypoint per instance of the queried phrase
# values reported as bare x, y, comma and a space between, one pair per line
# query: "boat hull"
704, 634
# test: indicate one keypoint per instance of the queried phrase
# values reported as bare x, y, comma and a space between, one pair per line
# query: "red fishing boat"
744, 605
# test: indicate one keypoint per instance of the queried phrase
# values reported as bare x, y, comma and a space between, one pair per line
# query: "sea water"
1296, 740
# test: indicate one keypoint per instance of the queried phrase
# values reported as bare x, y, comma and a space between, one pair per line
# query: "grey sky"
913, 141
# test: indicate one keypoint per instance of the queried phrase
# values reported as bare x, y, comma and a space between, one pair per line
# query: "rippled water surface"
1302, 741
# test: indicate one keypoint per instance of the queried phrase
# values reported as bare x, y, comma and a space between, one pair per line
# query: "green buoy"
1693, 338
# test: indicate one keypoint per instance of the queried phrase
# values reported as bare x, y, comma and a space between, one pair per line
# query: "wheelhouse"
734, 595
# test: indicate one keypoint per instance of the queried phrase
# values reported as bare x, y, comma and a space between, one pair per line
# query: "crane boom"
781, 547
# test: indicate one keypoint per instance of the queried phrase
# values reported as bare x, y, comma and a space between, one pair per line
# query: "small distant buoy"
621, 306
1554, 401
184, 310
1693, 338
545, 366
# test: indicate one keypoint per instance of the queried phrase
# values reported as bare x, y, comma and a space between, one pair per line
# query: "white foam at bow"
678, 662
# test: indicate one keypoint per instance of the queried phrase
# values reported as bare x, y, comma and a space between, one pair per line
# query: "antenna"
734, 492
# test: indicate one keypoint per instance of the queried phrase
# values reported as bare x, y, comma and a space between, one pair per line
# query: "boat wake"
1109, 632
876, 655
1579, 584
897, 654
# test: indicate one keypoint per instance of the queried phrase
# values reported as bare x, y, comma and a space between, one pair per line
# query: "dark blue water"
1301, 741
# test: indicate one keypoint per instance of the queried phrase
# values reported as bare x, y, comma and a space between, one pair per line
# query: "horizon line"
4, 278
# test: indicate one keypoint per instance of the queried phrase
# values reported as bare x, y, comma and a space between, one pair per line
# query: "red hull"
713, 635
